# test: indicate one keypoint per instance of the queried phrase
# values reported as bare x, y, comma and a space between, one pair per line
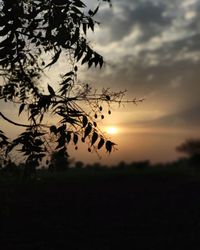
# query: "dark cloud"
148, 13
145, 14
188, 118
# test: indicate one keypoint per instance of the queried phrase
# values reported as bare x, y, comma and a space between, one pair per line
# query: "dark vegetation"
129, 206
152, 208
191, 148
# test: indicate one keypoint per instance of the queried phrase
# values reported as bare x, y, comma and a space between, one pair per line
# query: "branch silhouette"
36, 36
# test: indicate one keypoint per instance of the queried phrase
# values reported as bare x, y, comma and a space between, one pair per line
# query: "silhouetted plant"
191, 148
59, 160
79, 164
121, 165
3, 146
34, 36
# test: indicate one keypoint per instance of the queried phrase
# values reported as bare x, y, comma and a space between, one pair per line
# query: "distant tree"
36, 35
59, 160
3, 146
79, 164
191, 148
122, 165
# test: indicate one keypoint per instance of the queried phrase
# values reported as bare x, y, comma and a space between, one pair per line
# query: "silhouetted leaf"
85, 28
38, 142
75, 139
51, 90
61, 142
88, 130
69, 73
68, 137
79, 4
87, 57
8, 41
54, 59
77, 11
96, 10
91, 24
92, 13
90, 62
94, 138
109, 146
21, 108
41, 117
100, 144
85, 121
66, 81
80, 54
53, 129
101, 61
64, 89
5, 30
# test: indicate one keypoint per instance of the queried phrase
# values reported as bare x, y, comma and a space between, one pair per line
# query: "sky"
152, 50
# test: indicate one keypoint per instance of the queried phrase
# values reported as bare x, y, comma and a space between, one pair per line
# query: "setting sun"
111, 130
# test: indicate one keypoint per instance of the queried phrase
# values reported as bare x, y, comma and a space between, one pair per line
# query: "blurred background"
152, 50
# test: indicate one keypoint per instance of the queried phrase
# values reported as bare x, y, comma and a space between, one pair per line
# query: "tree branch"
20, 124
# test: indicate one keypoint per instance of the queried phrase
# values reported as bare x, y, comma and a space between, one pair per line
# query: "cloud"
188, 118
151, 37
125, 15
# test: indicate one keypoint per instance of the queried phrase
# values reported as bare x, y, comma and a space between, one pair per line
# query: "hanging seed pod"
107, 97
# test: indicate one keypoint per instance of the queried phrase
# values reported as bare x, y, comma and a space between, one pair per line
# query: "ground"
101, 211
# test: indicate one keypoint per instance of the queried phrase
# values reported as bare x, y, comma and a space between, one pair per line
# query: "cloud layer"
152, 49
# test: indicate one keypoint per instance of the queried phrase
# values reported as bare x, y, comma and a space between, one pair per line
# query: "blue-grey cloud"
147, 15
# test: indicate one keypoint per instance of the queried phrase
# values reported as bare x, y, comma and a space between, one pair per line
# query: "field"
101, 209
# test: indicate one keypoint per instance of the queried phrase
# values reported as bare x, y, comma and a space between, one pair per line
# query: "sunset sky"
151, 49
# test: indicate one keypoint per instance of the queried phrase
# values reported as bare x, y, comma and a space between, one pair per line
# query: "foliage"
190, 147
59, 161
35, 36
3, 146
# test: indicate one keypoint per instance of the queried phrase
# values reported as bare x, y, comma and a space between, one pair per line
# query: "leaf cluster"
30, 33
